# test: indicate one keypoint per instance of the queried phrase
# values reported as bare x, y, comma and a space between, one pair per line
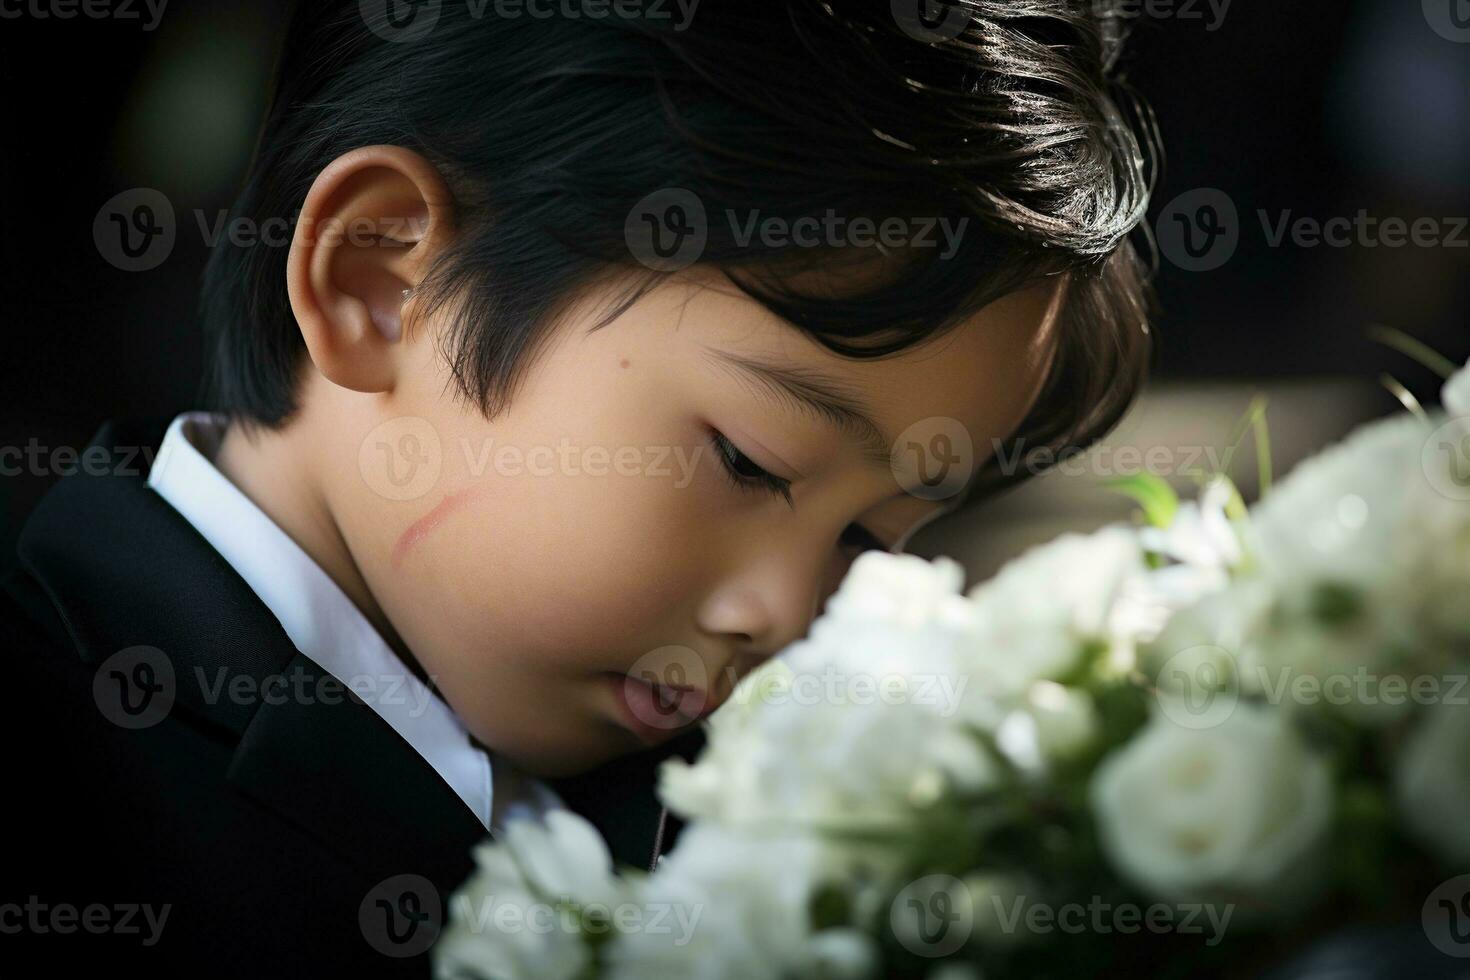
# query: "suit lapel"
122, 568
340, 772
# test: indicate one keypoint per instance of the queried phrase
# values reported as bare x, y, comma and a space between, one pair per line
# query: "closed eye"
745, 472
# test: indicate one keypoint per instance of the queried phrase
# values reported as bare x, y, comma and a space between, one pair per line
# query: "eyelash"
854, 535
730, 458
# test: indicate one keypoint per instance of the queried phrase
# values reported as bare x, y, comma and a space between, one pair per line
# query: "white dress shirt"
327, 626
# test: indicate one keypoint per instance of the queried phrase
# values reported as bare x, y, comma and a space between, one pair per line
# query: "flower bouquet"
1187, 747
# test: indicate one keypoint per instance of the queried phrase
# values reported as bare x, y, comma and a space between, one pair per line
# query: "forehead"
983, 373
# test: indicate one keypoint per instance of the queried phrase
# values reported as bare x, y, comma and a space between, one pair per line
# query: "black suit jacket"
284, 835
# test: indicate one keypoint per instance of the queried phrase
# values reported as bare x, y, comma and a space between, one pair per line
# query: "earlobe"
371, 224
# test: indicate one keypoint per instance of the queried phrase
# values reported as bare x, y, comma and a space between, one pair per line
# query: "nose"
754, 620
770, 602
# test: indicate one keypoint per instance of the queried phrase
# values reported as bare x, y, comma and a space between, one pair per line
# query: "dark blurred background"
1277, 111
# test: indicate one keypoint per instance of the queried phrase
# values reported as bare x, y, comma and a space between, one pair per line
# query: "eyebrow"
816, 394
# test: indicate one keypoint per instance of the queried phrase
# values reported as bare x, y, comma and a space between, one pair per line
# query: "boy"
601, 346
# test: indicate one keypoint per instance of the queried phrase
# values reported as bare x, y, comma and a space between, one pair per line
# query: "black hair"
549, 131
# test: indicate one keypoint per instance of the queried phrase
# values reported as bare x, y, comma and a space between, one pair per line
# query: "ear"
371, 224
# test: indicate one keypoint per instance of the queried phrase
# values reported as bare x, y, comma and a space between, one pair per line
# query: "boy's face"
593, 530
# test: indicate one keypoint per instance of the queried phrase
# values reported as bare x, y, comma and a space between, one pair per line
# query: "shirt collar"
322, 621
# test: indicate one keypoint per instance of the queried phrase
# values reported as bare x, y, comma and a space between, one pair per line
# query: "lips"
656, 712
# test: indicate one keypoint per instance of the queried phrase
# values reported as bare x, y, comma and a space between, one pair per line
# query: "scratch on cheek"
422, 527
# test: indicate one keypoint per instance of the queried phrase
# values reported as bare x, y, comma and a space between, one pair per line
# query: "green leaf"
1254, 423
1362, 849
1152, 493
1404, 395
1336, 605
1418, 350
829, 908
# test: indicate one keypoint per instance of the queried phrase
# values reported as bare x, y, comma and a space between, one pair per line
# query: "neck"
278, 471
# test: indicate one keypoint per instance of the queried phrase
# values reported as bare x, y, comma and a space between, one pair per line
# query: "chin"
546, 760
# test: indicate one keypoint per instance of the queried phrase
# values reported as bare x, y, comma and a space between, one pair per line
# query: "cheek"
565, 569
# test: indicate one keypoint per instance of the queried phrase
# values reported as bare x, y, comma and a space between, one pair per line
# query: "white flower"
504, 921
1204, 543
824, 756
1066, 719
904, 590
1432, 563
1346, 541
562, 854
1233, 812
730, 906
856, 726
1054, 724
1432, 782
1205, 552
1214, 643
1456, 393
840, 954
1038, 615
925, 664
1334, 518
1349, 670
